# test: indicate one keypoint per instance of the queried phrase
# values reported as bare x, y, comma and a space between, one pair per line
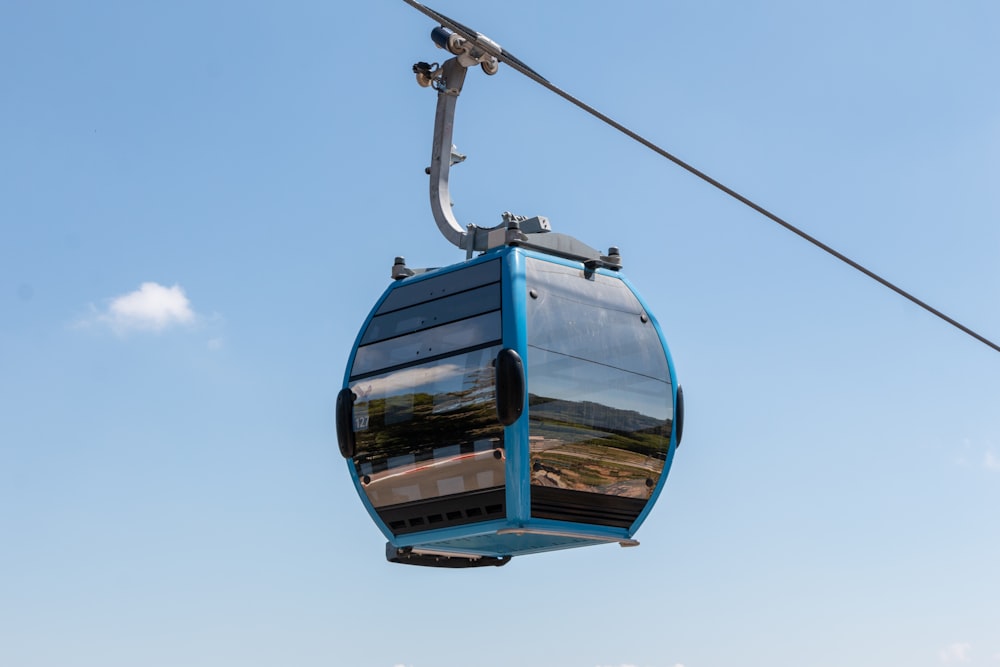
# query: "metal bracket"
448, 80
534, 233
401, 271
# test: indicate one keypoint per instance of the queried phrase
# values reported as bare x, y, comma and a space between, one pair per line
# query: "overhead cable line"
494, 49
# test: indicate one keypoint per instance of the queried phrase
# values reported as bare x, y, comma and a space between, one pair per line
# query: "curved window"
600, 400
429, 449
429, 431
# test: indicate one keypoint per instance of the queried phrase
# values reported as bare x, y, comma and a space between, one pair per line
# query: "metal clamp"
468, 49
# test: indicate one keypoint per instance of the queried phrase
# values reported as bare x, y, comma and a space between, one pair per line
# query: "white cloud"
991, 461
957, 652
152, 307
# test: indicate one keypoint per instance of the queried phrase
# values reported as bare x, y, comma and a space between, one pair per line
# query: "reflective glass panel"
432, 317
427, 343
600, 403
429, 430
432, 313
443, 285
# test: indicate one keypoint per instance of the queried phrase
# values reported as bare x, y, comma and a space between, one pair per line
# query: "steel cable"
519, 66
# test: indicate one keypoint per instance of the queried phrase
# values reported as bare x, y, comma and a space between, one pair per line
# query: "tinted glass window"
600, 404
427, 344
425, 411
433, 313
429, 430
431, 318
446, 284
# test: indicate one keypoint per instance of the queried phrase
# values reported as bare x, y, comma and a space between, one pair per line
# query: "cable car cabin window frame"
589, 337
432, 454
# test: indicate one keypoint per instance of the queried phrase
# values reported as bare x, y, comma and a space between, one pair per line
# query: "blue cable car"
521, 401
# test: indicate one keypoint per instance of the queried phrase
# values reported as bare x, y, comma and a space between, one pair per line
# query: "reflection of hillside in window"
421, 408
398, 408
587, 422
448, 383
600, 408
465, 388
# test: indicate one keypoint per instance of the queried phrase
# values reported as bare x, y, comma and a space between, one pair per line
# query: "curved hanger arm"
450, 85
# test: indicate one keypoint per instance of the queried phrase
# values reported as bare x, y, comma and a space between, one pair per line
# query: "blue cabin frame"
514, 403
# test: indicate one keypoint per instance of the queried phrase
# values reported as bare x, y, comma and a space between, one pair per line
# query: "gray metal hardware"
534, 233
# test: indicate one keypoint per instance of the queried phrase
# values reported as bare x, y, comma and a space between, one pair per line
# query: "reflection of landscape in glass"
429, 431
600, 403
586, 446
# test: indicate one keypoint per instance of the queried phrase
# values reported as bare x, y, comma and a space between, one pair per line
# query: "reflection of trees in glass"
587, 446
436, 418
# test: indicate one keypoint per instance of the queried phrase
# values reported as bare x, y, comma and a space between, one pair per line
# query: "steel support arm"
449, 86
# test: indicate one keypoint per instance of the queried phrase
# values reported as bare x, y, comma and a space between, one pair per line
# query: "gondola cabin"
518, 402
515, 403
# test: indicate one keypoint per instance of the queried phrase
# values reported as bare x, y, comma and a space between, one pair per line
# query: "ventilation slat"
454, 510
582, 507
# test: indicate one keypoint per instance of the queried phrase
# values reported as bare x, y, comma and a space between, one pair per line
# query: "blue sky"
200, 202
